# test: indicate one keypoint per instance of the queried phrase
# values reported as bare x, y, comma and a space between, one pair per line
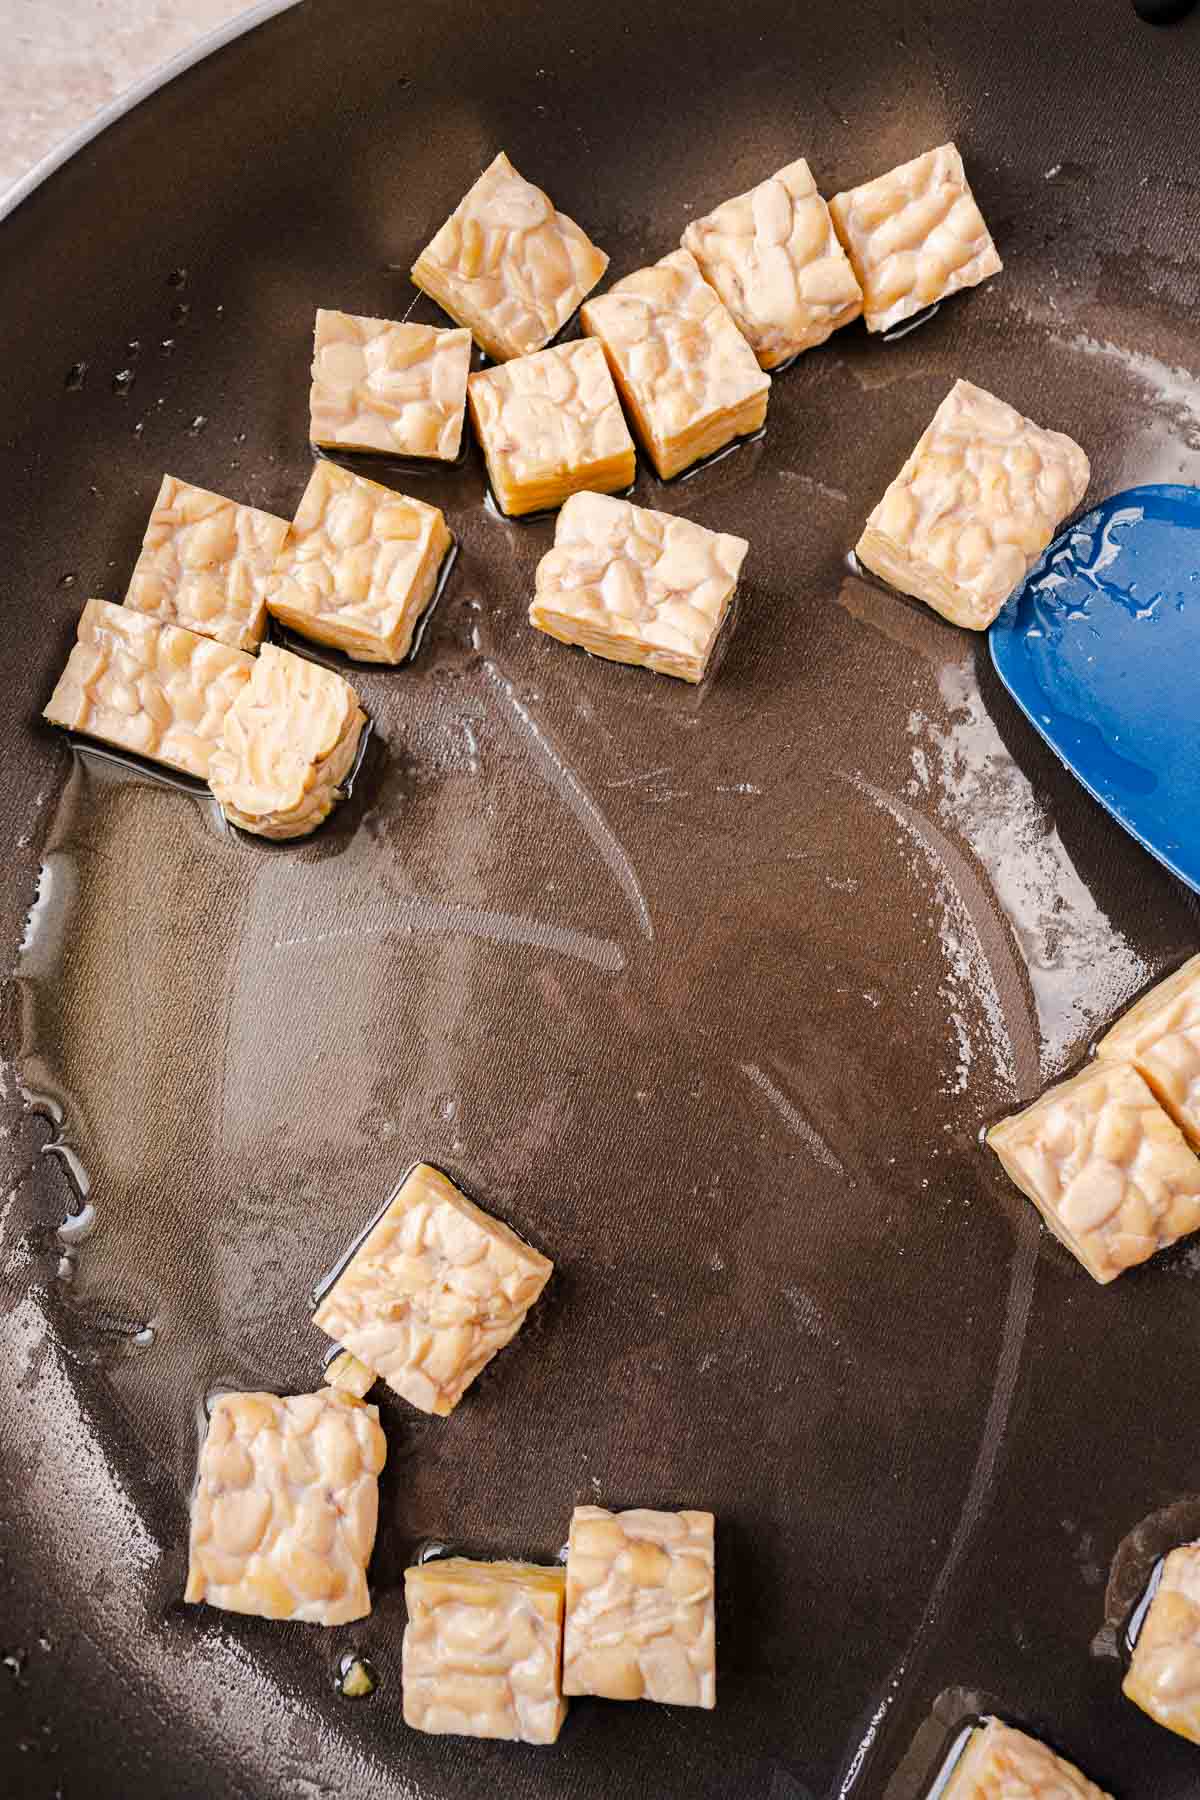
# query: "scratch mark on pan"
412, 913
1022, 1045
1019, 1051
580, 802
1022, 1276
793, 1118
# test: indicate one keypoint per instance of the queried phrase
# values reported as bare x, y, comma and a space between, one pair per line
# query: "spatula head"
1100, 648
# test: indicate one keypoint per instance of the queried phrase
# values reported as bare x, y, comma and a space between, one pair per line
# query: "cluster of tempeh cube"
286, 1502
180, 673
685, 343
1108, 1156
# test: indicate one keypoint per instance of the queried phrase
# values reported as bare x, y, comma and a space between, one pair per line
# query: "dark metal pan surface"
707, 992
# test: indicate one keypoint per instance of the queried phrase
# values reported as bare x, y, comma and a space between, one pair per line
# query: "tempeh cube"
286, 1503
774, 258
641, 1622
507, 265
1110, 1173
1164, 1674
483, 1648
973, 507
378, 385
1002, 1763
288, 743
551, 424
361, 566
157, 690
434, 1290
1160, 1036
205, 563
636, 586
689, 378
914, 236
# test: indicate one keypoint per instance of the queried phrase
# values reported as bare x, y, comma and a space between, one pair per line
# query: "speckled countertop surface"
65, 59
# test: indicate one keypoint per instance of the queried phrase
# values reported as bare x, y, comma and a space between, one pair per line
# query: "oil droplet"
76, 376
66, 580
133, 349
179, 312
430, 1551
139, 428
177, 277
167, 345
197, 425
356, 1677
122, 381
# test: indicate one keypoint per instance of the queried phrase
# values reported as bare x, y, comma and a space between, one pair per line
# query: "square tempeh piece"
286, 1503
973, 507
507, 265
361, 566
551, 424
434, 1290
378, 385
157, 690
914, 236
482, 1649
1110, 1173
1164, 1674
640, 1619
1002, 1763
775, 260
636, 586
288, 743
689, 378
205, 563
1160, 1036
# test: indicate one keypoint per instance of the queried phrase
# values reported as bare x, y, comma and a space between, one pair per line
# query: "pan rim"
206, 45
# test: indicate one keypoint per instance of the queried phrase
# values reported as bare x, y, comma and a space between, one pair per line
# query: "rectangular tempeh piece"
157, 690
973, 507
774, 258
434, 1290
1164, 1674
288, 743
360, 567
1002, 1763
379, 385
1110, 1173
640, 1622
1160, 1036
204, 564
507, 265
286, 1503
551, 424
482, 1649
914, 236
636, 586
687, 375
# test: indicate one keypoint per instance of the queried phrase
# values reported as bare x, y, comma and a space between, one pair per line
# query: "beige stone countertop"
65, 59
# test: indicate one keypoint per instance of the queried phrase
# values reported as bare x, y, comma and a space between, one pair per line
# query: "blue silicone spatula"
1100, 648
